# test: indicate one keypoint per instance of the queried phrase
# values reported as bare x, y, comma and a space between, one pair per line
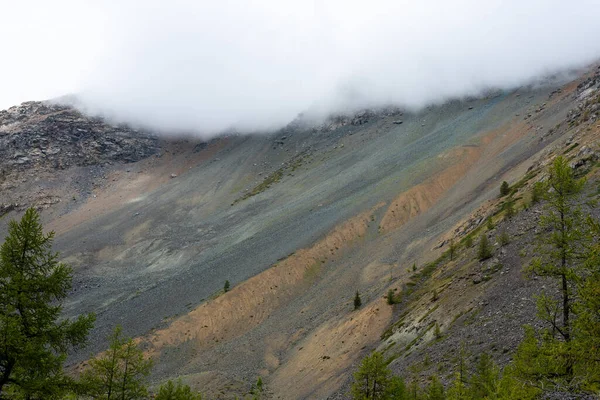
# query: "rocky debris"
6, 208
585, 156
588, 97
45, 136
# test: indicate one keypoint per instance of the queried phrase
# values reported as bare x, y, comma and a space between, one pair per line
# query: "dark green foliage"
414, 267
178, 391
504, 189
435, 390
118, 373
357, 301
390, 297
374, 381
226, 286
485, 380
484, 250
33, 341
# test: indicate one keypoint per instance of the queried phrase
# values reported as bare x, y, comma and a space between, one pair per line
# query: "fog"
254, 65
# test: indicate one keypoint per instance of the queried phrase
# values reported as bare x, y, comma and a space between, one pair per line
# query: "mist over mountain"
210, 66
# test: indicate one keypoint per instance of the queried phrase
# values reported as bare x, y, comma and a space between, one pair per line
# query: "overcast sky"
211, 65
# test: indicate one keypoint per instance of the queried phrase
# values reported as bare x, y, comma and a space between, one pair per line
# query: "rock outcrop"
44, 136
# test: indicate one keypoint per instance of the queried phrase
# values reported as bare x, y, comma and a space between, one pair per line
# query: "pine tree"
119, 373
390, 297
504, 188
357, 301
484, 381
226, 286
33, 341
587, 324
178, 391
435, 389
372, 380
564, 219
509, 209
485, 249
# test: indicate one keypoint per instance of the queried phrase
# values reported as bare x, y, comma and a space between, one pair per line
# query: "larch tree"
34, 340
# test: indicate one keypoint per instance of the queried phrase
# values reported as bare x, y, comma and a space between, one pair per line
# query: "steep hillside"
296, 220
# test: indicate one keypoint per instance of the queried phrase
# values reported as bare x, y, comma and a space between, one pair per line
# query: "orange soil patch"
421, 197
318, 364
247, 305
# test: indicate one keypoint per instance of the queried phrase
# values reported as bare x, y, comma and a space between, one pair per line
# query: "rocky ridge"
42, 135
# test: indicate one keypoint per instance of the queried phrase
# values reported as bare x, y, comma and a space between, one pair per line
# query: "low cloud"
254, 65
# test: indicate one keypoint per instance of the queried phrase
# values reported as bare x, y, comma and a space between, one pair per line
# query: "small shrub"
504, 189
434, 295
357, 301
469, 241
509, 209
503, 238
226, 286
485, 249
414, 267
390, 297
490, 224
451, 249
436, 331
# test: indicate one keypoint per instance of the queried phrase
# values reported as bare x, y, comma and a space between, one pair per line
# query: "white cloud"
206, 66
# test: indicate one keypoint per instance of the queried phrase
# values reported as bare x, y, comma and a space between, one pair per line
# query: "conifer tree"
435, 389
562, 246
357, 301
33, 339
485, 249
119, 373
372, 380
484, 381
176, 391
504, 188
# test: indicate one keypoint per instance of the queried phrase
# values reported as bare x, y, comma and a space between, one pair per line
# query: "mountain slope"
297, 221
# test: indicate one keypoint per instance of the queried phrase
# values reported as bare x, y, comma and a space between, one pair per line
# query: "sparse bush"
414, 267
485, 249
451, 249
503, 238
490, 224
504, 189
469, 241
357, 301
509, 209
226, 286
437, 331
434, 295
